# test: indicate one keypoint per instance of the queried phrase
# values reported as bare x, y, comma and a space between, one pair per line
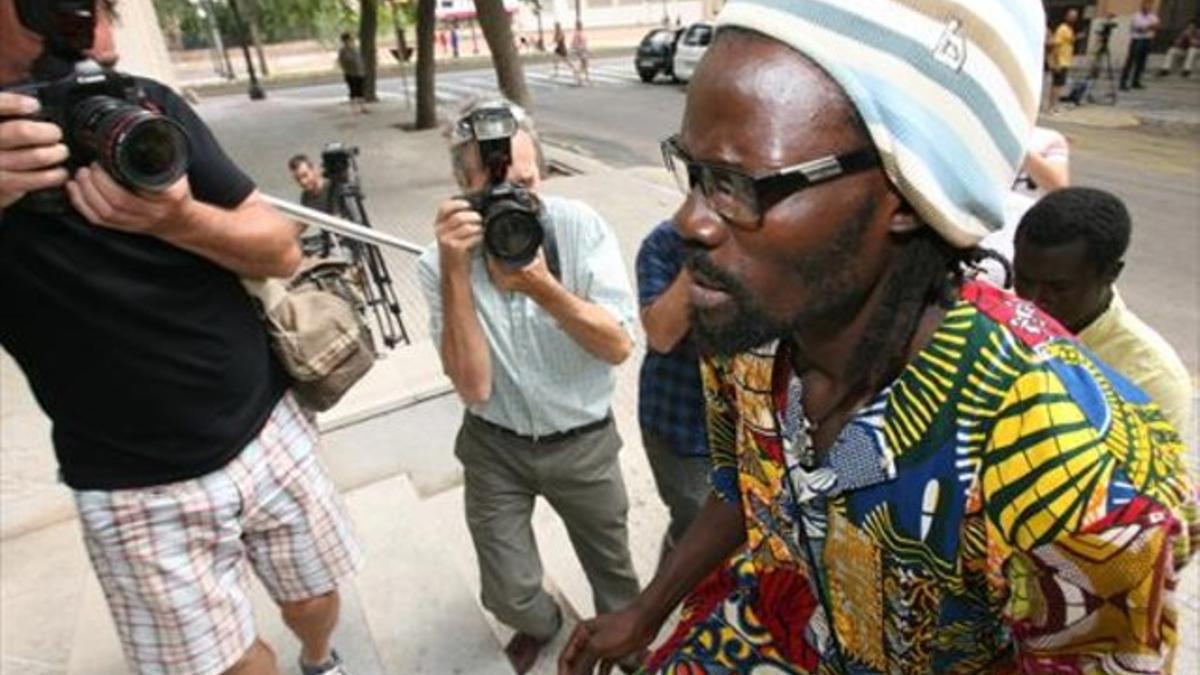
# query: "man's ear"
1114, 271
904, 219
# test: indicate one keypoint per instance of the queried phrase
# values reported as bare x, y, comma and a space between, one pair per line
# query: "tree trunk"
253, 15
497, 30
426, 100
256, 38
368, 25
541, 41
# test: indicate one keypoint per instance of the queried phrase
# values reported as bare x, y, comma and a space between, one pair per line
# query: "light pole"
256, 91
205, 10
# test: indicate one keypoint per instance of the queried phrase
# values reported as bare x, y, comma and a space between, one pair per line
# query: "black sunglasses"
741, 198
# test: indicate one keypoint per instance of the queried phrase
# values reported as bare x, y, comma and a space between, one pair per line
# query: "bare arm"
590, 325
1048, 175
718, 530
714, 535
463, 347
251, 239
465, 357
666, 320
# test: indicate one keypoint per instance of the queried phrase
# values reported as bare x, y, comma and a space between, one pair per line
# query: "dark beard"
828, 275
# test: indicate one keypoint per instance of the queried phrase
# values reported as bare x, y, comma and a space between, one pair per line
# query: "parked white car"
691, 47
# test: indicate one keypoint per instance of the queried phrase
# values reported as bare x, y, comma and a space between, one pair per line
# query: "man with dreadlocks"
912, 472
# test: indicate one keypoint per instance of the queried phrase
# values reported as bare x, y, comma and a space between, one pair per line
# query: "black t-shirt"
151, 361
321, 200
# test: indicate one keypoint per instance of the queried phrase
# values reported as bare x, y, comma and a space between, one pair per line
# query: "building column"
140, 42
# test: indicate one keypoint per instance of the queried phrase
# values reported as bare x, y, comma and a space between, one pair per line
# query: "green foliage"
280, 20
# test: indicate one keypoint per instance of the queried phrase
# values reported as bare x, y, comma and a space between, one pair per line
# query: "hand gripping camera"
513, 228
104, 115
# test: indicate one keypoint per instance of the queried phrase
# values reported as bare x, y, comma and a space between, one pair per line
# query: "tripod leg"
383, 283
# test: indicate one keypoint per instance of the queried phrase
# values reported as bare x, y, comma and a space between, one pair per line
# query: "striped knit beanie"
948, 89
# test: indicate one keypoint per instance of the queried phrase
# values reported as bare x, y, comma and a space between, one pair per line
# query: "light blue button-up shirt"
542, 380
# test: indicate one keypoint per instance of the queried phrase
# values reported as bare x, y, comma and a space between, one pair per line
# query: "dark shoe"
1187, 73
523, 651
1138, 85
331, 667
1124, 87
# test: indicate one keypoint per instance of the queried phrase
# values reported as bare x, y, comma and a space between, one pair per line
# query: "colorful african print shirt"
1009, 503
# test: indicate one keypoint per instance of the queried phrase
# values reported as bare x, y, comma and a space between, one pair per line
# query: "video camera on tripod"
1104, 33
369, 269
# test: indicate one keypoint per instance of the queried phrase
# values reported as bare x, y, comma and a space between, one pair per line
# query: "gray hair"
460, 149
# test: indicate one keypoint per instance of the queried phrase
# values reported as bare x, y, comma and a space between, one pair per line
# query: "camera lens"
512, 233
141, 149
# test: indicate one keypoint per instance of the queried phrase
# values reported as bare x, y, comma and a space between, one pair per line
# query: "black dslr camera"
513, 229
103, 114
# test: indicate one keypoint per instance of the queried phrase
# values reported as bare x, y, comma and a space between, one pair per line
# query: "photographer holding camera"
124, 229
531, 309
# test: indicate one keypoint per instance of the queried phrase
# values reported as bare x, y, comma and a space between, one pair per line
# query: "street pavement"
414, 608
307, 59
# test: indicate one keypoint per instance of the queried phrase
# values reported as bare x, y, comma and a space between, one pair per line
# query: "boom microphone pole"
342, 226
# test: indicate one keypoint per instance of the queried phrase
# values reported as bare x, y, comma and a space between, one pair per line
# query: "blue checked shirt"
671, 399
542, 380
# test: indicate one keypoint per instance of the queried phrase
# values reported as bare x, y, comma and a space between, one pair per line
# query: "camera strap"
550, 247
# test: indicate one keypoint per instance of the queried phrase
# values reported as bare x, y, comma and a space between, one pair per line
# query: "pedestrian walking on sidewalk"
670, 396
454, 39
1141, 34
1061, 51
354, 72
1185, 47
529, 339
561, 55
913, 471
579, 49
189, 461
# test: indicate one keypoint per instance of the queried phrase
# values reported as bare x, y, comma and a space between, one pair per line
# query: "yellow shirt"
1138, 352
1062, 49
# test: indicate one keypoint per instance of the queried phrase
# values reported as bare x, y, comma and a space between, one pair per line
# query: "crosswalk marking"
455, 88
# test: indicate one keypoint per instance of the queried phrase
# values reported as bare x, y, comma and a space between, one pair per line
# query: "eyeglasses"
741, 199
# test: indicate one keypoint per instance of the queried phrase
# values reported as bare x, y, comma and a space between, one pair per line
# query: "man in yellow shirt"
1069, 252
1060, 54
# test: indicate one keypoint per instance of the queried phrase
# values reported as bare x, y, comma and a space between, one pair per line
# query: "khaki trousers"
581, 479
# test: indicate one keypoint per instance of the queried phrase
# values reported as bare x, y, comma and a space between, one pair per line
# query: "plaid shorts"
174, 559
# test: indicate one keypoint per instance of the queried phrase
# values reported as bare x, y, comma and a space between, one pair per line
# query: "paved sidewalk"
1170, 103
309, 60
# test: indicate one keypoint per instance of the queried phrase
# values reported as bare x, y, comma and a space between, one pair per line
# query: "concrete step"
417, 441
420, 609
42, 577
400, 377
445, 513
564, 576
